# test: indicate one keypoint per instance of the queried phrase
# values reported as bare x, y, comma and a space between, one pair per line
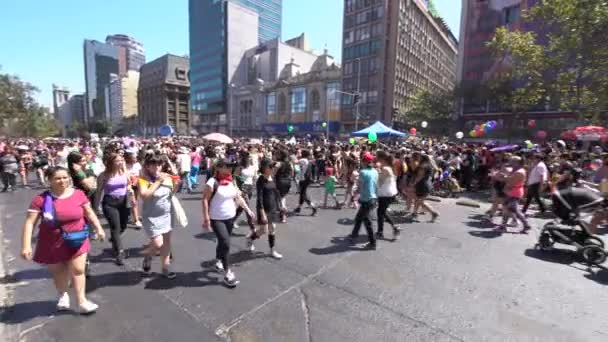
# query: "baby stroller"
567, 206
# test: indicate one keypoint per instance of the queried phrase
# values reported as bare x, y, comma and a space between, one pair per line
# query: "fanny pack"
72, 239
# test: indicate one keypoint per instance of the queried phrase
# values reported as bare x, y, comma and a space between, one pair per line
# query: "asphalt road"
455, 280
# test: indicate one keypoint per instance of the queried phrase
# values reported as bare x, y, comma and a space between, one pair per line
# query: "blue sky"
42, 39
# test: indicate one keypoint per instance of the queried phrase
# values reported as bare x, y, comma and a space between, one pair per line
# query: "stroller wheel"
594, 255
595, 241
545, 241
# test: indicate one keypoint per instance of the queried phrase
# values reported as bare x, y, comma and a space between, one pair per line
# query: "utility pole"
358, 97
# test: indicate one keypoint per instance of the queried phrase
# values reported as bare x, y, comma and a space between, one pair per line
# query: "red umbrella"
590, 129
568, 135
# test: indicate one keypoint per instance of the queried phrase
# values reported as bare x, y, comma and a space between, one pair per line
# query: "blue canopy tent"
381, 130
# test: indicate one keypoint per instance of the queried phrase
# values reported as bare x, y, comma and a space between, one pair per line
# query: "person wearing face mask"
220, 200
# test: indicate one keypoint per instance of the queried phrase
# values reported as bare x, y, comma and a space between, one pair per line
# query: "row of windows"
364, 17
367, 65
363, 49
298, 100
353, 5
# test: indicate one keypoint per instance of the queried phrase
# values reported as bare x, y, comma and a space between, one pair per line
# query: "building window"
315, 100
282, 104
298, 100
180, 73
349, 37
333, 96
271, 103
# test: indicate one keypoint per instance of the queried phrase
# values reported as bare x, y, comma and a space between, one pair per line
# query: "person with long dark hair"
387, 191
244, 175
267, 206
61, 213
116, 206
423, 185
283, 176
220, 199
305, 180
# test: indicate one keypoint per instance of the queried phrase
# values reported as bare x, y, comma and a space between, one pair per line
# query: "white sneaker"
87, 307
64, 302
276, 255
250, 245
235, 225
230, 279
219, 267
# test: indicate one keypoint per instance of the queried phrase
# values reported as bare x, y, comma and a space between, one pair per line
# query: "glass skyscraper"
220, 30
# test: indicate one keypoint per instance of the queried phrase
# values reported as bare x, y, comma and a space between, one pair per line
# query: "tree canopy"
564, 63
20, 114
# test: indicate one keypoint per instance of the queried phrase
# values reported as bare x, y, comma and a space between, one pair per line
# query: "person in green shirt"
330, 187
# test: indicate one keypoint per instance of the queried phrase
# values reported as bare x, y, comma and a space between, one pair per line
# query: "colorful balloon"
413, 131
351, 141
372, 136
476, 128
324, 124
424, 124
459, 135
473, 134
290, 129
541, 134
531, 123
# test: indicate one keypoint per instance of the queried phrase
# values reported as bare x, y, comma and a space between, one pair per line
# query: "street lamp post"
358, 97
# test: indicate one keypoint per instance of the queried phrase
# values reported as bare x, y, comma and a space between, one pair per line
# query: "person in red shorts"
60, 210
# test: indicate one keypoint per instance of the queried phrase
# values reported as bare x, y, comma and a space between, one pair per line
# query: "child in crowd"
330, 187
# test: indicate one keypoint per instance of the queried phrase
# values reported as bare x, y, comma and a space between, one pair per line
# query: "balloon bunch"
482, 129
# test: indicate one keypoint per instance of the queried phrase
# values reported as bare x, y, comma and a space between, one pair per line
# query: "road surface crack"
306, 311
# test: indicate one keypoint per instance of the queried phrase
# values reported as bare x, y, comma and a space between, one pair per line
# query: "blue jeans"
193, 177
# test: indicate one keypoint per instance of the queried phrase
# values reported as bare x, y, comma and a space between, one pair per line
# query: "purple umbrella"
504, 148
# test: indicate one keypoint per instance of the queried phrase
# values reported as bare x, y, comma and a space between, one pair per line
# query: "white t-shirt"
184, 164
222, 205
538, 174
248, 174
135, 170
388, 188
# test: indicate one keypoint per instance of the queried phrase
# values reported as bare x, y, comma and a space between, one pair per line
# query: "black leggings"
304, 193
9, 180
116, 212
247, 193
223, 230
534, 193
383, 204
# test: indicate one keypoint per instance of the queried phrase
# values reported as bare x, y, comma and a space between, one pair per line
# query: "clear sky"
41, 40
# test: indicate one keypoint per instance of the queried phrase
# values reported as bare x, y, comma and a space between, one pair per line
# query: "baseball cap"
368, 157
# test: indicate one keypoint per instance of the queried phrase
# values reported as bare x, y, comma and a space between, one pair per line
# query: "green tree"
568, 67
435, 107
20, 114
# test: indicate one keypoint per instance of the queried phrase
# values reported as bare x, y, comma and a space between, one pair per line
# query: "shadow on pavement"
196, 198
30, 274
485, 224
115, 279
558, 256
23, 312
189, 279
346, 221
206, 236
339, 245
600, 277
486, 234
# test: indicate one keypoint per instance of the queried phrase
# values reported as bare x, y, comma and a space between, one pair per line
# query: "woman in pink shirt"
514, 190
195, 158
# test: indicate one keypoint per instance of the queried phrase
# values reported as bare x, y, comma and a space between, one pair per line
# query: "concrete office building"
67, 109
220, 34
163, 95
263, 65
391, 50
100, 61
131, 52
122, 98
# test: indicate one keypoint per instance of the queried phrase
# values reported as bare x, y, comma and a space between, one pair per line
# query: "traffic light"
356, 98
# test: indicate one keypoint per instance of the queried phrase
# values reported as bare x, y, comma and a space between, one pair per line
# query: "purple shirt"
116, 186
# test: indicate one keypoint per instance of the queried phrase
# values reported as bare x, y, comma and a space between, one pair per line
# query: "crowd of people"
134, 182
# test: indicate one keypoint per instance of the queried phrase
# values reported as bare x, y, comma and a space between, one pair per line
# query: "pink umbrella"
218, 137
